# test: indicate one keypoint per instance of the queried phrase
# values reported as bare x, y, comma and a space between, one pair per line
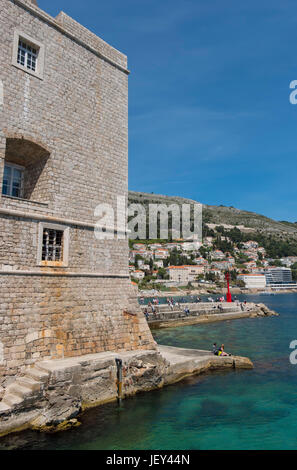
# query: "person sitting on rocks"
222, 352
215, 349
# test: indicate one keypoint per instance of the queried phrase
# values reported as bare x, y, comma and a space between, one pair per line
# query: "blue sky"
209, 110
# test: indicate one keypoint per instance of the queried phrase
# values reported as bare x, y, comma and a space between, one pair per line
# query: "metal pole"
119, 364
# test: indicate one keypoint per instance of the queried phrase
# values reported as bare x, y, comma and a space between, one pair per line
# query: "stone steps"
4, 408
23, 388
37, 373
18, 390
29, 383
11, 399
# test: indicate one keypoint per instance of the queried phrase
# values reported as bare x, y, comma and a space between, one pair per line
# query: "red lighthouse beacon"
229, 297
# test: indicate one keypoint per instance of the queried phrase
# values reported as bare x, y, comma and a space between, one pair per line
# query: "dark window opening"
13, 180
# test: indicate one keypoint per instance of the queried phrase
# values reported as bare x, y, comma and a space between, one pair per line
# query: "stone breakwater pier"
52, 394
203, 312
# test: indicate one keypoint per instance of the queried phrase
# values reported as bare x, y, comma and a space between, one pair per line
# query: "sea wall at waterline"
51, 395
164, 316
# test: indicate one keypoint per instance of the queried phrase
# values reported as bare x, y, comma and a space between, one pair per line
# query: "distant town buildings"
242, 228
205, 261
289, 260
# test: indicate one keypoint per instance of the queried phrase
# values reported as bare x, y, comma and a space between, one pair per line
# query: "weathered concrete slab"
184, 362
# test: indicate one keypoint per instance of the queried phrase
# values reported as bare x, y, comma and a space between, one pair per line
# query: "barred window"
27, 55
52, 245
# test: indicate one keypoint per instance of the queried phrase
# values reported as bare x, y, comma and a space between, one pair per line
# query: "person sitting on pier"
153, 309
221, 351
215, 350
187, 311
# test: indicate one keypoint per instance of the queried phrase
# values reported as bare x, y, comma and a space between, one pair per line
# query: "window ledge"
25, 69
53, 264
14, 198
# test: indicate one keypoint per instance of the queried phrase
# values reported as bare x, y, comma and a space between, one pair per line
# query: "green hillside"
223, 215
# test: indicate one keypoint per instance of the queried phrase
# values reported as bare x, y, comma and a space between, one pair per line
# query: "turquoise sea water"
252, 409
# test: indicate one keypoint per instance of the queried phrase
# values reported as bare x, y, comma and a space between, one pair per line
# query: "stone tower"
63, 151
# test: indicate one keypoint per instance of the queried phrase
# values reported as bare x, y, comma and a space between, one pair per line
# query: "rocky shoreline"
51, 396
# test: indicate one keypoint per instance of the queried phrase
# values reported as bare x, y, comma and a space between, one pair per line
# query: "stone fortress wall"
68, 127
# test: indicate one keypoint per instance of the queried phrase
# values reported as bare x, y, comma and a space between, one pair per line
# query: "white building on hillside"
137, 274
159, 263
177, 274
161, 254
184, 274
191, 246
253, 281
217, 254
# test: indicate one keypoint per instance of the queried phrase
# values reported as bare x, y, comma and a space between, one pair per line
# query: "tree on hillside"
162, 274
275, 262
